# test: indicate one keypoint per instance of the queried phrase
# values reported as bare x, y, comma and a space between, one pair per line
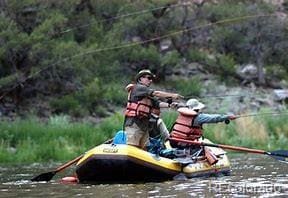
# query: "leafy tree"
14, 46
254, 40
70, 50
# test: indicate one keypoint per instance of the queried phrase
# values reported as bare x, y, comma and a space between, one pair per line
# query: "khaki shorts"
136, 137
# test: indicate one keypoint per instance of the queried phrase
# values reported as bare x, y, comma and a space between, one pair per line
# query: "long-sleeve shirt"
203, 118
138, 93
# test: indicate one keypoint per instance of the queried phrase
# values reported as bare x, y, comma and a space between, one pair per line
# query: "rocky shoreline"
245, 97
217, 96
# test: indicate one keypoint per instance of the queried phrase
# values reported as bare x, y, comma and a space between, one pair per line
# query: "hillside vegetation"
73, 58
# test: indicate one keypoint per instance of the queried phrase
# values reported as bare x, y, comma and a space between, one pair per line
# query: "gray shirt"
203, 118
138, 93
141, 91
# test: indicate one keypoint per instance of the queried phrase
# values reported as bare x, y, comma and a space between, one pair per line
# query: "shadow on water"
251, 176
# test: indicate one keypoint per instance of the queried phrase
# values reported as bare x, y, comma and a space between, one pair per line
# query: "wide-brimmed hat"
195, 104
143, 73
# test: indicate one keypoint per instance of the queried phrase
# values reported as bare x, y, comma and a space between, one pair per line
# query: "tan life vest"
183, 128
140, 109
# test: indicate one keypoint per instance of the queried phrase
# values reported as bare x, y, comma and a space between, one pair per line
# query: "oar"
281, 155
48, 176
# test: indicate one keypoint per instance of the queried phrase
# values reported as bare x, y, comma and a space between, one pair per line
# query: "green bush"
58, 48
195, 55
187, 87
115, 94
148, 55
224, 10
228, 39
226, 66
66, 104
32, 140
277, 71
59, 139
8, 80
14, 46
171, 59
169, 118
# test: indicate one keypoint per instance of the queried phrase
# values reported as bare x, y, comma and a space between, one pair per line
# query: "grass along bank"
59, 139
267, 132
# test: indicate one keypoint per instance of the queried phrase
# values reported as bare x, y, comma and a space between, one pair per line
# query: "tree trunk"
260, 70
260, 54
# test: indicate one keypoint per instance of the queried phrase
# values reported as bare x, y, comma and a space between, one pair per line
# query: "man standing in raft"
143, 109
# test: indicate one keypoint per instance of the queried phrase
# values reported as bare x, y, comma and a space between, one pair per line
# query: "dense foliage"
75, 56
31, 140
60, 139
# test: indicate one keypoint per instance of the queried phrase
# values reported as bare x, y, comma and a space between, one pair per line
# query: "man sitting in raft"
188, 126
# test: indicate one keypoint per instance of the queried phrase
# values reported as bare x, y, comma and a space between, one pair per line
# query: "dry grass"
218, 131
282, 130
251, 129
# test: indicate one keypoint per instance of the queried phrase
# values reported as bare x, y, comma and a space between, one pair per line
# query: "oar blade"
281, 155
44, 176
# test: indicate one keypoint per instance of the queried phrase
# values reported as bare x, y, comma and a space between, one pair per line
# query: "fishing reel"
227, 121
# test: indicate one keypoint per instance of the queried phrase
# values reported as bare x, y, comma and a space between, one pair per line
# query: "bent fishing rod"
257, 114
221, 96
261, 114
213, 96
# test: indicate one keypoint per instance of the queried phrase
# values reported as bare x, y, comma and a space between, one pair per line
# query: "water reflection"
252, 176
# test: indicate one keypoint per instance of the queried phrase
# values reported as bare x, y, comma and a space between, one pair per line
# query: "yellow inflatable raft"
121, 162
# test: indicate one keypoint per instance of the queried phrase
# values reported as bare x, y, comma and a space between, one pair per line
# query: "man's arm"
203, 118
163, 94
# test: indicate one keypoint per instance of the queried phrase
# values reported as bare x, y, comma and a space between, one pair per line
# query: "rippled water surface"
252, 176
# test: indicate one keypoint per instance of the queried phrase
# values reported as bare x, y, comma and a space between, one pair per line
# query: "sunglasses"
148, 77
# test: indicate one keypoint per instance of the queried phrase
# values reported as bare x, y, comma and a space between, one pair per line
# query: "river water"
252, 176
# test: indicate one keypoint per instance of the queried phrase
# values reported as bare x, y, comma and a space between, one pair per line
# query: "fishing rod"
223, 96
213, 96
261, 114
257, 114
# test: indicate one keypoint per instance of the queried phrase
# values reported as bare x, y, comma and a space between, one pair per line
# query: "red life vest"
183, 128
140, 109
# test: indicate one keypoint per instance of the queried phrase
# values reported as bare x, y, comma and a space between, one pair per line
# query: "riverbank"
60, 139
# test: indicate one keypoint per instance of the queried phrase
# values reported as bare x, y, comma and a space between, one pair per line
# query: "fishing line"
123, 16
131, 44
224, 96
213, 96
262, 114
173, 33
